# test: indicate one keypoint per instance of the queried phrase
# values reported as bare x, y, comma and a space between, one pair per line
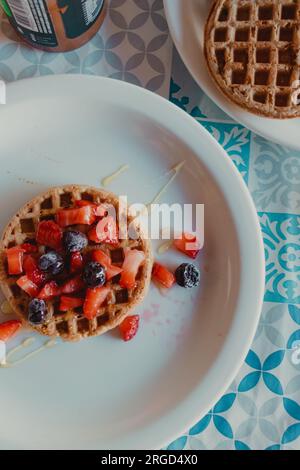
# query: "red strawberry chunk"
105, 261
69, 303
49, 291
105, 231
83, 215
129, 327
76, 262
15, 260
28, 286
29, 248
132, 262
188, 244
161, 274
33, 272
8, 329
49, 234
93, 301
73, 285
84, 203
100, 210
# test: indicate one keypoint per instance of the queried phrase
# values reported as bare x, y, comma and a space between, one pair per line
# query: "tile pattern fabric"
133, 44
261, 409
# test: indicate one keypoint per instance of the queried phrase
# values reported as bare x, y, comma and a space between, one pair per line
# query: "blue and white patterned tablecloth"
261, 410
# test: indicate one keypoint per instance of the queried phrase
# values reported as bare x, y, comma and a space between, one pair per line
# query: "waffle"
72, 325
252, 49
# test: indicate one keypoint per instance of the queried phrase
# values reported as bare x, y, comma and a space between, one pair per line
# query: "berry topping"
29, 247
49, 234
49, 291
32, 270
82, 215
104, 259
187, 275
37, 312
163, 275
69, 303
74, 241
76, 262
15, 260
72, 286
51, 263
8, 329
188, 244
28, 286
132, 262
129, 327
94, 274
93, 301
105, 231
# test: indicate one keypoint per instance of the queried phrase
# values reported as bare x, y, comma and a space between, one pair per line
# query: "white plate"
186, 21
104, 393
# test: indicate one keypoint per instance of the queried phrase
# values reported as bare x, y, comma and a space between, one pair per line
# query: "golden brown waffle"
72, 325
252, 49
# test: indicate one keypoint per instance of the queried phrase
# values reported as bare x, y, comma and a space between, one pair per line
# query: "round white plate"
186, 21
103, 393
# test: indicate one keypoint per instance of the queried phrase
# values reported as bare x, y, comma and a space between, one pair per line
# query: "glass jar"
55, 25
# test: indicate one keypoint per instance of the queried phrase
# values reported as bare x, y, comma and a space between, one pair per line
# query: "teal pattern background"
261, 409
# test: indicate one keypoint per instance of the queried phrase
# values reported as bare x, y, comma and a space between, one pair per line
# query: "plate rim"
181, 418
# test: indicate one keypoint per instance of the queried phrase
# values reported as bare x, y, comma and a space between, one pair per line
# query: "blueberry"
37, 312
74, 241
94, 274
51, 263
187, 275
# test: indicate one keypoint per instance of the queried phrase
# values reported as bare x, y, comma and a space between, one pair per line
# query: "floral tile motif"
274, 176
235, 139
281, 234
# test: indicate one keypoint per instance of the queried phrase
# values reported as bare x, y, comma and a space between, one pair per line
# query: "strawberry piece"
83, 215
105, 231
132, 262
161, 274
28, 286
188, 244
76, 262
33, 272
129, 327
69, 303
49, 291
73, 285
93, 301
8, 329
105, 261
49, 234
15, 260
100, 210
29, 248
84, 203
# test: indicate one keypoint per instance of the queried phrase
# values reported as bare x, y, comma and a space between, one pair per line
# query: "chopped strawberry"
49, 234
100, 210
105, 261
76, 262
8, 329
15, 260
105, 231
188, 244
83, 215
93, 301
129, 327
29, 247
163, 275
73, 285
28, 286
49, 291
68, 303
132, 262
32, 270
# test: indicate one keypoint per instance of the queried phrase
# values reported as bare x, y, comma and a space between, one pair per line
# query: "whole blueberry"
51, 263
37, 312
187, 275
94, 274
74, 241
